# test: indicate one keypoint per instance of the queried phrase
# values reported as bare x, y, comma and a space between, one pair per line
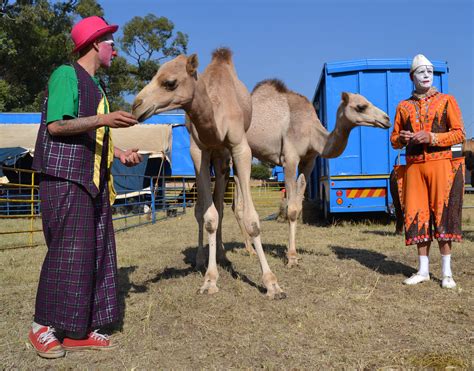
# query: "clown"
431, 185
78, 286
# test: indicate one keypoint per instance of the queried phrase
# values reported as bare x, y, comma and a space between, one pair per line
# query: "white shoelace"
47, 336
98, 336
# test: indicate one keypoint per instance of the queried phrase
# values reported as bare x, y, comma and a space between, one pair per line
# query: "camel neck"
201, 113
336, 141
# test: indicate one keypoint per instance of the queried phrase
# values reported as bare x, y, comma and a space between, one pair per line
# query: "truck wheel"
326, 213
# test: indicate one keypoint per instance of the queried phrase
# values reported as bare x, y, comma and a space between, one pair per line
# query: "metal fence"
20, 213
161, 197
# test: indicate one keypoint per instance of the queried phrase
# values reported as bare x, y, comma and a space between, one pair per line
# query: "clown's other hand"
130, 157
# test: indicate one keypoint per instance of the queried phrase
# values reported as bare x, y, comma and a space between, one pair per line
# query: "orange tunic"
431, 186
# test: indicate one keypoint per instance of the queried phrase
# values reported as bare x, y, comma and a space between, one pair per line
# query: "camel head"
172, 87
356, 110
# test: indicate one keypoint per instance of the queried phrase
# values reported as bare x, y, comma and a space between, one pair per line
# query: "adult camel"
286, 131
219, 108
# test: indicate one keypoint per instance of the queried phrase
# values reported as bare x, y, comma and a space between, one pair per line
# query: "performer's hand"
117, 119
405, 136
130, 157
421, 137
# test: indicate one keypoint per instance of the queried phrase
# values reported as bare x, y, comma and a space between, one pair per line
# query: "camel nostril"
136, 104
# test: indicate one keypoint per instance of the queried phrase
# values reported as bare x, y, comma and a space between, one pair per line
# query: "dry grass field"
346, 305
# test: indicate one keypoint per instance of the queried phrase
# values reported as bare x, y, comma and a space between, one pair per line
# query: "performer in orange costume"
431, 186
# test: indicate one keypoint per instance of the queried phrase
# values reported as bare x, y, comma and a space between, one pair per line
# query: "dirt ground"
346, 305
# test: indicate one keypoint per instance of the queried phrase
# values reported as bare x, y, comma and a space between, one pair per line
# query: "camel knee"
211, 220
252, 226
293, 211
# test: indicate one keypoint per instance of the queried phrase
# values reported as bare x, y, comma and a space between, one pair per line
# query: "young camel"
219, 110
286, 131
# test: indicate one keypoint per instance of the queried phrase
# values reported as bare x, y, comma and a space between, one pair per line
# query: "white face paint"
423, 78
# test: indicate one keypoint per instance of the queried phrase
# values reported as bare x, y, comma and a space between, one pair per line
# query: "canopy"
149, 138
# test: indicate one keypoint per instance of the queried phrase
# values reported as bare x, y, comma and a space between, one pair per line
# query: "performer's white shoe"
416, 279
448, 283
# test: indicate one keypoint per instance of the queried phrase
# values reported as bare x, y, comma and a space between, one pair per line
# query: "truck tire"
326, 213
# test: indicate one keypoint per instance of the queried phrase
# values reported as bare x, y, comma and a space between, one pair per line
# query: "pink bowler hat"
90, 29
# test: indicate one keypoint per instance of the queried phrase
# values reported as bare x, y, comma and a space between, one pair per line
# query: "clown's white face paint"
106, 52
423, 79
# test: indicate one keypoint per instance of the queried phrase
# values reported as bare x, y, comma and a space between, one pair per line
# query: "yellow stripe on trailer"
365, 192
351, 193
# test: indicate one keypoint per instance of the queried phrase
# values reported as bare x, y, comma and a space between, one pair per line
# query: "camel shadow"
172, 272
468, 235
276, 251
373, 260
383, 233
125, 287
190, 260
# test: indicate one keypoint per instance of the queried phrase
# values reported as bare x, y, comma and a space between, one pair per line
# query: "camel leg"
294, 205
238, 208
211, 221
242, 158
221, 169
197, 157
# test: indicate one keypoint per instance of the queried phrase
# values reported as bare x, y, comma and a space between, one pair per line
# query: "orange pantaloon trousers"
431, 195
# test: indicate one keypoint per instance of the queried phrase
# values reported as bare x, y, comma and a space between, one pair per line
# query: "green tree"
147, 41
260, 171
35, 39
33, 42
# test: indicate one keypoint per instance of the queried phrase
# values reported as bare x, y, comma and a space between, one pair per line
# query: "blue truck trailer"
358, 180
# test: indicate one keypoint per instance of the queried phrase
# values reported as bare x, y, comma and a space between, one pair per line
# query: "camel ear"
345, 97
192, 65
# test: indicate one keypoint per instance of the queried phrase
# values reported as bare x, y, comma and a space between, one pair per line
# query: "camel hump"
275, 83
222, 55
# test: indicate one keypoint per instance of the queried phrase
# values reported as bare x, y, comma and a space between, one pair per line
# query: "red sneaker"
45, 343
94, 341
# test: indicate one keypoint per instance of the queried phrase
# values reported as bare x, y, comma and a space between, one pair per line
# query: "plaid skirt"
78, 286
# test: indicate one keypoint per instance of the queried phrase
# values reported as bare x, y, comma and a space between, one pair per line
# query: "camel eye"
170, 84
361, 107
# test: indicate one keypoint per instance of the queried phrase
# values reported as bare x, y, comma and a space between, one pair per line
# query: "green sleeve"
62, 94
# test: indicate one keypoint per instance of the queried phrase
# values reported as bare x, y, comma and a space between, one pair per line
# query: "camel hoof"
276, 293
208, 288
292, 262
280, 296
277, 296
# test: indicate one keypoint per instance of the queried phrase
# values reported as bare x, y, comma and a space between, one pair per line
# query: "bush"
260, 171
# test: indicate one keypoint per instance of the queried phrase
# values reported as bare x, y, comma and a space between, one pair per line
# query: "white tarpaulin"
148, 138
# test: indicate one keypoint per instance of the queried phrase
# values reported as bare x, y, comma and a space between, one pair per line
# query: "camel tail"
222, 55
277, 84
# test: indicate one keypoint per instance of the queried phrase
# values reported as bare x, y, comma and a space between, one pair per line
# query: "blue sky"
292, 39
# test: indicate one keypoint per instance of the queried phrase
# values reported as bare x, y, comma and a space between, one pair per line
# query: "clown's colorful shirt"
84, 158
433, 112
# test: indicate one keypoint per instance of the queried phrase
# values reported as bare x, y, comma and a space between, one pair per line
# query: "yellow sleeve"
456, 133
397, 126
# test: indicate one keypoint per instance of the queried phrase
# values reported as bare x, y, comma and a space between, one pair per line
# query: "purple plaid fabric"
78, 287
71, 157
